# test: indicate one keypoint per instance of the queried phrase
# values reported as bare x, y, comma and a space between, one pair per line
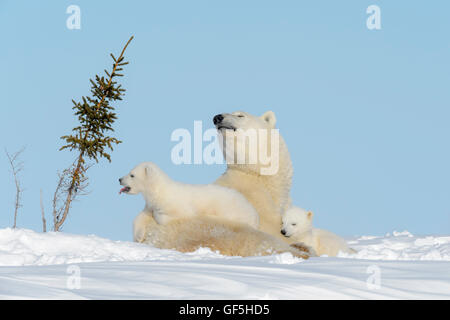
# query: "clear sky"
365, 113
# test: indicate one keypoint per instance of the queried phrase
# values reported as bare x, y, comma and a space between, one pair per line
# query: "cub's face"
296, 221
135, 181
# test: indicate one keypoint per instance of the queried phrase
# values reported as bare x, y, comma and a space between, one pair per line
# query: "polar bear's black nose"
218, 119
120, 180
283, 232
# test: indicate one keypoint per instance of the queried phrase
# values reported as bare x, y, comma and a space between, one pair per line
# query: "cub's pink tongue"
122, 190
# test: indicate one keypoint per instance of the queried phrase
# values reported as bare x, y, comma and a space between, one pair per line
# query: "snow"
401, 246
66, 266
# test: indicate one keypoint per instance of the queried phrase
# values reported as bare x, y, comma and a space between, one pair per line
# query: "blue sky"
365, 113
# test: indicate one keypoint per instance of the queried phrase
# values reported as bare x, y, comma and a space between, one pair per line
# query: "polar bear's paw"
141, 225
304, 248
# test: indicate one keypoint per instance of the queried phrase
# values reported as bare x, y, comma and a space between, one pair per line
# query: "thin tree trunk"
59, 223
17, 204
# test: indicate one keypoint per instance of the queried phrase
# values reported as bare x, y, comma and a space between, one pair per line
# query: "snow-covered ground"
65, 266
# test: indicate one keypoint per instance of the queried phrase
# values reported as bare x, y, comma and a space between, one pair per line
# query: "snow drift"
35, 265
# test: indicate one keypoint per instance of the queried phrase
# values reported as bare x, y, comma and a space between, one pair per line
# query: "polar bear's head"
244, 120
296, 221
249, 142
140, 179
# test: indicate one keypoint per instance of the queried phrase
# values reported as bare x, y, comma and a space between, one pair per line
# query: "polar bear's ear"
270, 118
310, 215
147, 169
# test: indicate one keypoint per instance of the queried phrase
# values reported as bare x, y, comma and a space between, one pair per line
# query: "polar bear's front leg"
140, 223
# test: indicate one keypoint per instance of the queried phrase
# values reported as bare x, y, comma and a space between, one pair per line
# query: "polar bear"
268, 193
167, 200
223, 236
297, 225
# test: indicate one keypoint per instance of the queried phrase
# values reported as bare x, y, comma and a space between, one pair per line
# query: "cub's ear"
270, 118
310, 215
149, 168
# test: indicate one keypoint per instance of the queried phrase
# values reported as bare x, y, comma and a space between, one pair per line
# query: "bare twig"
16, 168
44, 222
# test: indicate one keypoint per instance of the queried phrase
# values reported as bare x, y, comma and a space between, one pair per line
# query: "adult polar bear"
269, 194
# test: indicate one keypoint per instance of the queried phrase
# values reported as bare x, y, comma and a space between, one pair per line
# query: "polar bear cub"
297, 225
168, 200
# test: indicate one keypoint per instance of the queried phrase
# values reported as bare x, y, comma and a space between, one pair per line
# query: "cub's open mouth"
125, 189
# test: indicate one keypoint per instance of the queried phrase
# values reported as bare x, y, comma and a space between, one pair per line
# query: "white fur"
167, 200
297, 225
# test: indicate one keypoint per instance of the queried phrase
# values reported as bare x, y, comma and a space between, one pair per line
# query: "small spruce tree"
90, 139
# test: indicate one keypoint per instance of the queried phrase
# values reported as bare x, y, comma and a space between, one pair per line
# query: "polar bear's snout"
222, 121
285, 233
217, 119
126, 188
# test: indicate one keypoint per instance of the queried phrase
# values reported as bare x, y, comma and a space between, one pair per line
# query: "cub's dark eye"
132, 175
294, 224
240, 116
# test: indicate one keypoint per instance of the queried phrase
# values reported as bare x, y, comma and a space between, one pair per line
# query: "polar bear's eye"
132, 175
240, 115
294, 224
